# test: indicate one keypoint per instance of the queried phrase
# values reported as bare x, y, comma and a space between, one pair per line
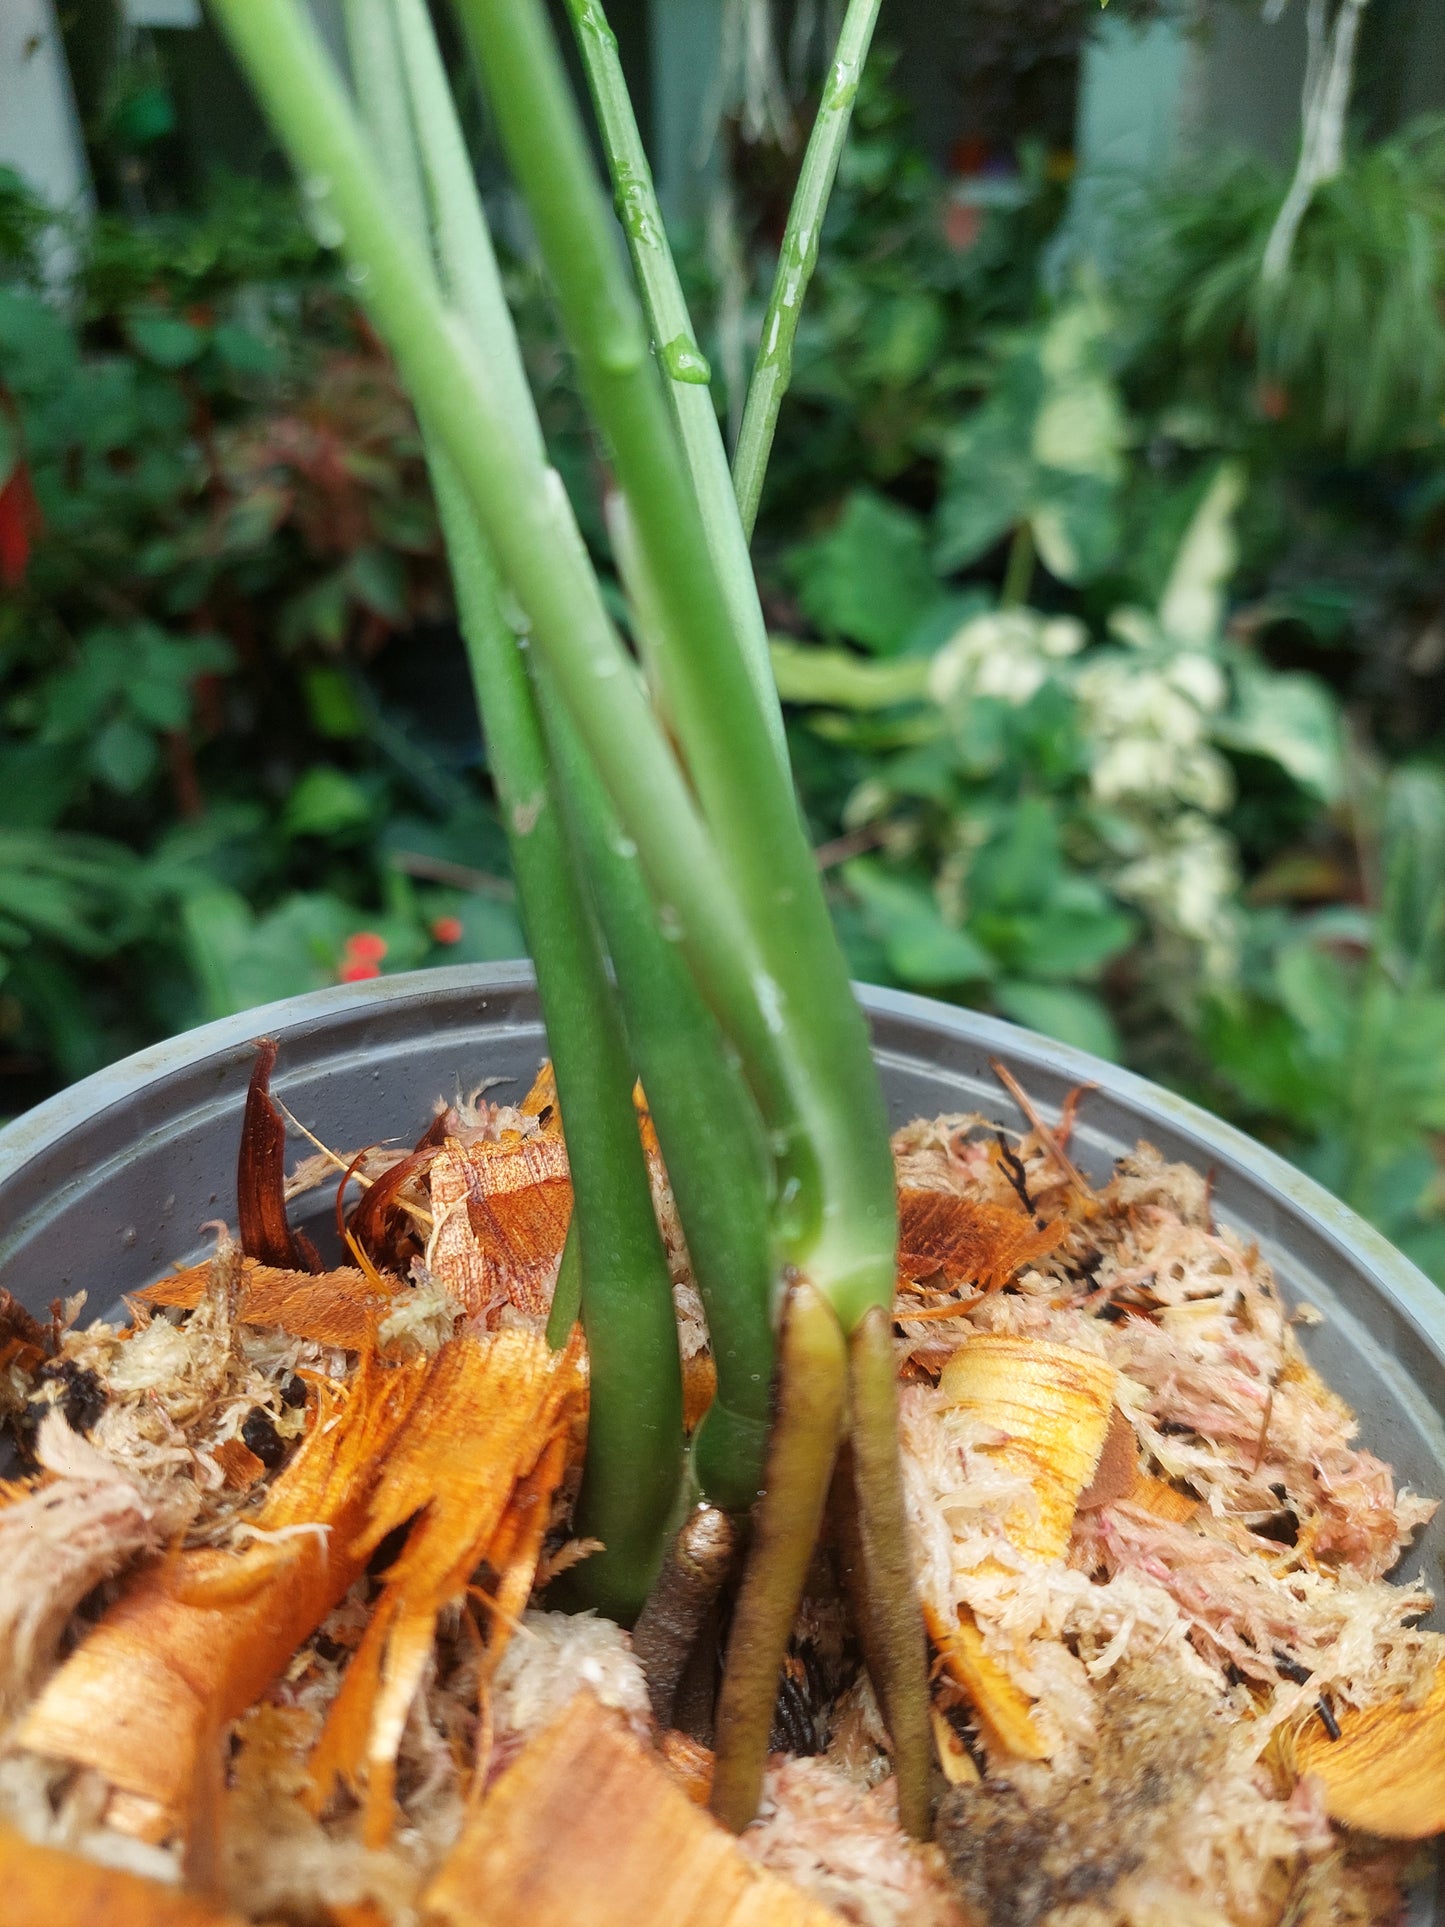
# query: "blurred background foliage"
1105, 583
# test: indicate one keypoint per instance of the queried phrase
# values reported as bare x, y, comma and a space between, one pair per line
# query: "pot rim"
38, 1130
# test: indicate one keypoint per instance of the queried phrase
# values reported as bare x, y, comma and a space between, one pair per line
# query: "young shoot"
654, 829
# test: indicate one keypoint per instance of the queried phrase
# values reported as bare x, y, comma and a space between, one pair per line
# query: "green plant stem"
1018, 576
634, 1427
812, 1378
674, 341
374, 53
463, 241
631, 1478
523, 508
707, 1127
566, 1306
774, 366
837, 1211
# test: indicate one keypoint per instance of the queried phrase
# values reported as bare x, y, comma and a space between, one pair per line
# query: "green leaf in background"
491, 932
869, 577
318, 613
920, 947
38, 781
1259, 1049
164, 338
903, 337
1413, 861
377, 579
1191, 609
245, 352
37, 348
1046, 449
989, 482
124, 755
1292, 720
1317, 989
332, 704
78, 891
326, 802
1072, 1016
1075, 524
1071, 935
1019, 866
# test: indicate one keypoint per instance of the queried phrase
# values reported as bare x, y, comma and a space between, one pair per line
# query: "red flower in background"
19, 525
447, 930
362, 956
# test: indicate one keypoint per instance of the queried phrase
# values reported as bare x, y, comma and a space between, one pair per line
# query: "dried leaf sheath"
45, 1885
1048, 1408
261, 1176
483, 1453
1001, 1706
196, 1639
1052, 1405
585, 1830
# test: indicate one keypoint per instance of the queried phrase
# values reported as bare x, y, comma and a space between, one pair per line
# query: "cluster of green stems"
664, 876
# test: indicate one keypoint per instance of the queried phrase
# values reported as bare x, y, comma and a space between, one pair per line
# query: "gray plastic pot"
106, 1186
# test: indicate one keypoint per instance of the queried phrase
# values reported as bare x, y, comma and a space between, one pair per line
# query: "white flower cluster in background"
1149, 711
1149, 720
1007, 653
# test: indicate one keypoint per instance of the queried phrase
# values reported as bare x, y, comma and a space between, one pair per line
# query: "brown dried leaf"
689, 1762
239, 1464
968, 1241
45, 1887
584, 1829
379, 1224
1117, 1473
18, 1326
541, 1101
953, 1756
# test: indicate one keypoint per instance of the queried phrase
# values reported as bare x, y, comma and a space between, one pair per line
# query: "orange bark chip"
1385, 1774
585, 1829
339, 1307
1164, 1501
969, 1242
239, 1463
501, 1212
195, 1639
44, 1887
541, 1100
1003, 1708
